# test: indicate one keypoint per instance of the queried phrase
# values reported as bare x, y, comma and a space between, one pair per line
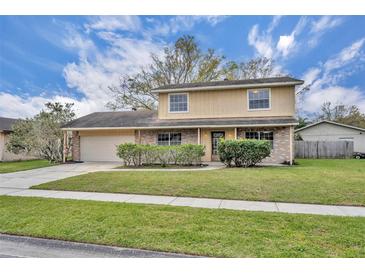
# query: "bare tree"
350, 115
184, 62
260, 67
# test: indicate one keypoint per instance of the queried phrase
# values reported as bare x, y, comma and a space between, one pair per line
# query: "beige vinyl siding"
230, 103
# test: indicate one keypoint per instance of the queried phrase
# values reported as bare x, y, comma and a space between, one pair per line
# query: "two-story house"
197, 113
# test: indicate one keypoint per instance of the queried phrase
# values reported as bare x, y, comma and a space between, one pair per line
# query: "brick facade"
75, 146
280, 152
188, 136
281, 148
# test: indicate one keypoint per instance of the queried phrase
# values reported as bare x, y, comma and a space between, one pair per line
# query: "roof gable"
332, 123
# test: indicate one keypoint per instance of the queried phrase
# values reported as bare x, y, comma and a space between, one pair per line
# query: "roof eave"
291, 83
184, 126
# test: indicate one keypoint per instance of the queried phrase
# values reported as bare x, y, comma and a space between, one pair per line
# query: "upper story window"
178, 102
259, 99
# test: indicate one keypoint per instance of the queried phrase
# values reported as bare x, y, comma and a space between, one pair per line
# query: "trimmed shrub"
136, 155
130, 154
243, 152
190, 154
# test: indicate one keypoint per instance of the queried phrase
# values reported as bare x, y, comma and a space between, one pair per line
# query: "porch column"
199, 136
235, 133
65, 145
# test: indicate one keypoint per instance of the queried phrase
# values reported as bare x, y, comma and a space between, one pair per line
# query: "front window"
261, 135
169, 139
178, 102
259, 99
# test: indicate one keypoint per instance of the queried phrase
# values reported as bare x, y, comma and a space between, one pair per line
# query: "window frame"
169, 138
248, 99
259, 136
187, 102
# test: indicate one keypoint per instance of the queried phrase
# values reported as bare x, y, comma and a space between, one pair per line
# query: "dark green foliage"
41, 135
243, 152
137, 155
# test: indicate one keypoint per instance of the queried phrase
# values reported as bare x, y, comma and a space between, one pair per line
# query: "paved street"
19, 247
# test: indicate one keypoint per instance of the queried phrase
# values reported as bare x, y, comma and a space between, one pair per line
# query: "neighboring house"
332, 131
5, 130
197, 113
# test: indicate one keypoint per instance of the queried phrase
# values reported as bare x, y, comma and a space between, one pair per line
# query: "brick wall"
75, 146
281, 151
188, 136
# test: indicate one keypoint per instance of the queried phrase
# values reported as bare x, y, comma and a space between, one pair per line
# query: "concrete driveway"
26, 179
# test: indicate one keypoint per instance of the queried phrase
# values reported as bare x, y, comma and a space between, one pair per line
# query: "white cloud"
311, 75
322, 25
346, 55
335, 95
180, 23
325, 80
274, 23
214, 19
90, 75
325, 22
287, 43
111, 23
17, 107
261, 42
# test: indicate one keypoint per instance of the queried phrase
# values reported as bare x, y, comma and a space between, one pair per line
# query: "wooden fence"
324, 149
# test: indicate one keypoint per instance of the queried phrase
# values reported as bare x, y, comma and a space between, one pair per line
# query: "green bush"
130, 153
137, 155
243, 152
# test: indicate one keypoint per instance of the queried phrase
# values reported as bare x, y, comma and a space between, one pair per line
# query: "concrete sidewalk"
191, 202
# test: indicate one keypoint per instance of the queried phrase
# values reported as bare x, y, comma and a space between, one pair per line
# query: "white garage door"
102, 148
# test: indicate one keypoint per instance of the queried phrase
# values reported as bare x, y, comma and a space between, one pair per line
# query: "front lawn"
7, 167
209, 232
312, 181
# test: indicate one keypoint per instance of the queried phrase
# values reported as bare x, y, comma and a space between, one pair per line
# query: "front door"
216, 135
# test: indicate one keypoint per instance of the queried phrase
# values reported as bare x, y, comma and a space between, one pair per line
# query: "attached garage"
101, 146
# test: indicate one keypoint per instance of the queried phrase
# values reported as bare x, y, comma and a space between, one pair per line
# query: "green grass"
7, 167
209, 232
312, 181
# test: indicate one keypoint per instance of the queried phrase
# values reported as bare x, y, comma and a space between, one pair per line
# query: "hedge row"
243, 152
137, 155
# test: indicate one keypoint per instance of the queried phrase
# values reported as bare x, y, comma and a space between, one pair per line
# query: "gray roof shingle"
273, 80
6, 123
149, 119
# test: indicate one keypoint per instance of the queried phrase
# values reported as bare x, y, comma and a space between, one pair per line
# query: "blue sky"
76, 58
